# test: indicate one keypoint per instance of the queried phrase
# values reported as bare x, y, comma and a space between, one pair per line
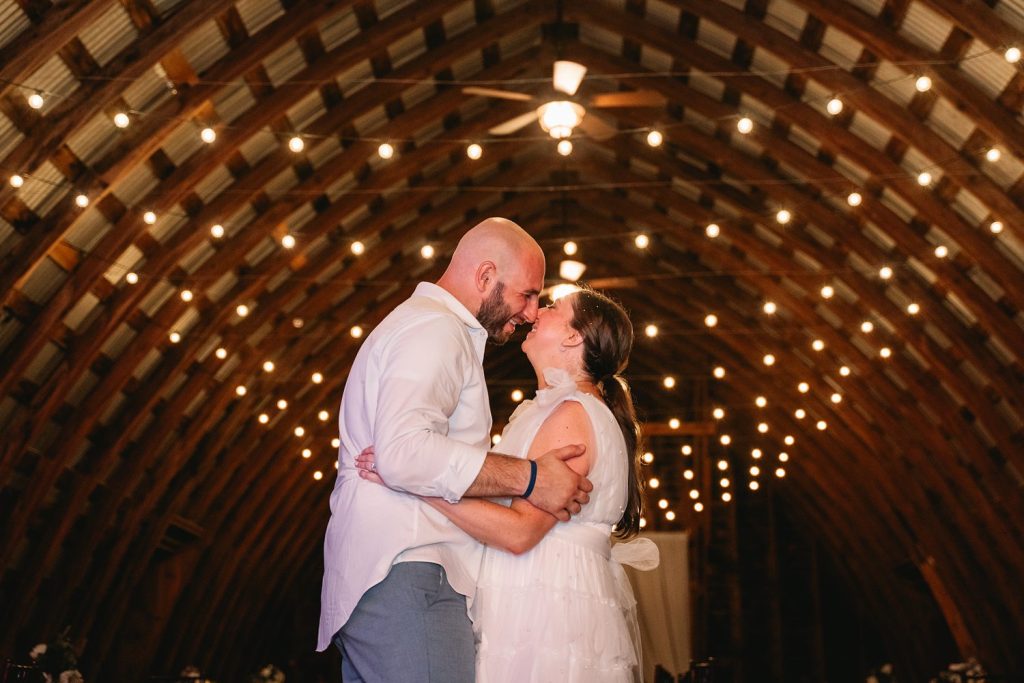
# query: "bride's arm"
519, 528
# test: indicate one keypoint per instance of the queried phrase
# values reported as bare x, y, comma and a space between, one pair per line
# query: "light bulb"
217, 231
81, 201
834, 106
760, 401
149, 217
564, 147
121, 120
517, 395
282, 404
358, 248
844, 371
35, 100
427, 251
674, 423
718, 372
323, 415
651, 330
993, 154
913, 308
288, 241
296, 144
570, 248
712, 230
885, 272
783, 216
655, 138
1012, 55
996, 227
817, 345
17, 181
221, 353
356, 331
711, 320
769, 307
669, 382
642, 241
268, 366
923, 84
175, 337
208, 135
827, 292
240, 390
941, 251
744, 125
924, 178
317, 378
186, 295
474, 151
768, 359
854, 199
242, 310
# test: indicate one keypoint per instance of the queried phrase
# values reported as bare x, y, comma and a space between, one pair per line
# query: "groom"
396, 572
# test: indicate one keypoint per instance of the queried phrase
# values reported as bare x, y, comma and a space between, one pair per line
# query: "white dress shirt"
416, 392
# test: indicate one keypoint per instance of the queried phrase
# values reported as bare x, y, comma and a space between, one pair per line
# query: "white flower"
38, 651
71, 676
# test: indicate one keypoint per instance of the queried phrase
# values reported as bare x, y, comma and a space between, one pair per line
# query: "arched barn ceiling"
145, 504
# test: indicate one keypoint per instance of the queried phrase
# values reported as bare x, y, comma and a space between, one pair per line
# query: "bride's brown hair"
607, 341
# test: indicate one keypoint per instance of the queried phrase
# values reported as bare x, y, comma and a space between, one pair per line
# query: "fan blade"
597, 128
567, 76
512, 125
500, 94
629, 98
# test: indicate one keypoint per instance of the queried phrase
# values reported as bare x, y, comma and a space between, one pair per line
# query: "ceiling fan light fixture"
571, 270
558, 118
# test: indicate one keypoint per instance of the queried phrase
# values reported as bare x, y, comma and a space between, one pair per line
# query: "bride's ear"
574, 338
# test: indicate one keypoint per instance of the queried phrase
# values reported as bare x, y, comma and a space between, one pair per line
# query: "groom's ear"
486, 276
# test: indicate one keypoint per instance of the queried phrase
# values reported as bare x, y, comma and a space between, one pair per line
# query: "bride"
552, 601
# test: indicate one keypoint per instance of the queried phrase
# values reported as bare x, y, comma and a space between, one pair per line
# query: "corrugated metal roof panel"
456, 21
987, 68
43, 364
91, 141
129, 260
925, 27
115, 345
840, 48
147, 91
951, 125
284, 63
135, 187
10, 136
769, 67
78, 313
109, 34
204, 47
1012, 11
213, 184
44, 188
600, 38
54, 80
715, 38
338, 29
87, 229
44, 281
165, 7
256, 14
197, 257
168, 224
13, 21
894, 83
872, 7
786, 18
183, 142
306, 111
869, 130
233, 100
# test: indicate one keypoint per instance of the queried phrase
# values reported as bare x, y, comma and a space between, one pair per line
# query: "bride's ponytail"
608, 340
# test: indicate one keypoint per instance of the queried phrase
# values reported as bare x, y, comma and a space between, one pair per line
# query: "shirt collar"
432, 291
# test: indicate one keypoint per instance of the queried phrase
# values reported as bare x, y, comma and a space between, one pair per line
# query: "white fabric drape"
663, 605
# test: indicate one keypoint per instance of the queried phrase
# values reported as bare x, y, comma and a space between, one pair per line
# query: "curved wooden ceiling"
134, 473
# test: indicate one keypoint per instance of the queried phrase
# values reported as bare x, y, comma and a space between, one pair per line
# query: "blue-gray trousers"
412, 626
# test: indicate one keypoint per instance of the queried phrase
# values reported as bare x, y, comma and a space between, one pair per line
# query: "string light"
149, 217
335, 442
17, 181
711, 320
655, 138
221, 353
718, 413
768, 359
817, 345
783, 216
653, 482
663, 504
712, 230
754, 485
803, 387
844, 371
913, 308
674, 423
268, 366
263, 418
121, 120
923, 84
670, 515
669, 382
186, 295
217, 231
718, 372
993, 154
35, 100
517, 395
827, 292
300, 431
885, 272
385, 151
474, 151
744, 125
240, 390
288, 241
688, 475
760, 401
564, 147
726, 496
686, 449
296, 144
867, 326
648, 458
642, 241
698, 506
789, 440
694, 494
756, 453
941, 251
762, 427
836, 398
81, 201
307, 453
780, 472
208, 135
799, 413
996, 227
318, 475
885, 352
769, 307
854, 199
358, 248
821, 425
427, 251
754, 470
725, 439
924, 178
834, 106
323, 415
651, 330
570, 248
355, 331
316, 378
282, 404
297, 323
1012, 55
175, 337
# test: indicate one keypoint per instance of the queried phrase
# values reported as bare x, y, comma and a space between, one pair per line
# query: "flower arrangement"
268, 674
57, 660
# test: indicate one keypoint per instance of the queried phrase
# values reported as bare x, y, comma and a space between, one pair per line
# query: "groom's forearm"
501, 476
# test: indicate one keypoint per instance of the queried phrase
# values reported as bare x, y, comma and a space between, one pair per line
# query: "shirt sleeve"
423, 370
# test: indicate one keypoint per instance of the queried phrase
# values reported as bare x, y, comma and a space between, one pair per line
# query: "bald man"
397, 573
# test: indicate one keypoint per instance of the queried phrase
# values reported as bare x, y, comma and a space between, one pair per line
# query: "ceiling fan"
561, 112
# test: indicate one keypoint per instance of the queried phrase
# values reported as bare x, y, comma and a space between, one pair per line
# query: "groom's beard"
494, 315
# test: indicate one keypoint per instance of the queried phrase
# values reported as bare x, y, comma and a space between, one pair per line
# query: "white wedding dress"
564, 611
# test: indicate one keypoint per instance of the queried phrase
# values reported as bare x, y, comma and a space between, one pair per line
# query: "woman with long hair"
552, 601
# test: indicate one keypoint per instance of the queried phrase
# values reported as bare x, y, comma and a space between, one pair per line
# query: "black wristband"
533, 479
